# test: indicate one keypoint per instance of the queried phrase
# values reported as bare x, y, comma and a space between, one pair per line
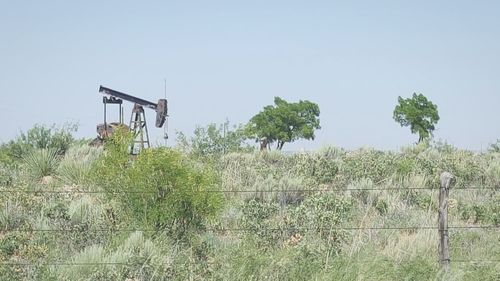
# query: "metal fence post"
444, 253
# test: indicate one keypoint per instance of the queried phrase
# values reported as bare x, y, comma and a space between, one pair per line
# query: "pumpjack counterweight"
137, 124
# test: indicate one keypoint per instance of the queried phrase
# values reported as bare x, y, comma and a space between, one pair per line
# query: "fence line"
222, 229
136, 264
473, 261
244, 191
242, 229
67, 264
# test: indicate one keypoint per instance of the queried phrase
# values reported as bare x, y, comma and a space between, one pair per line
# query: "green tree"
284, 122
418, 113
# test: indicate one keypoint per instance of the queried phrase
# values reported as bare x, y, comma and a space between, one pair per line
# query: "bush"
319, 215
263, 223
213, 141
492, 172
12, 215
368, 163
11, 243
161, 188
6, 175
481, 212
322, 214
495, 147
285, 190
465, 166
322, 167
41, 137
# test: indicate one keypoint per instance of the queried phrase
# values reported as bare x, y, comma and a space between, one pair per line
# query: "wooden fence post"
444, 253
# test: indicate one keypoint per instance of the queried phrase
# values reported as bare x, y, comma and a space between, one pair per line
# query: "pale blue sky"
228, 59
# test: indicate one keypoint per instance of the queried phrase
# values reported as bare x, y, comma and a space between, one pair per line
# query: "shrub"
381, 206
318, 215
42, 137
11, 243
368, 163
6, 175
213, 141
285, 190
465, 166
255, 212
322, 213
12, 215
183, 192
492, 172
55, 210
162, 188
495, 147
477, 212
322, 166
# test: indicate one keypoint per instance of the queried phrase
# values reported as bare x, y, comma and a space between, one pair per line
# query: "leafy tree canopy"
418, 113
284, 122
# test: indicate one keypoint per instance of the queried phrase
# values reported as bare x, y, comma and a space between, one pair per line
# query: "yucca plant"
85, 211
41, 162
90, 260
76, 164
136, 258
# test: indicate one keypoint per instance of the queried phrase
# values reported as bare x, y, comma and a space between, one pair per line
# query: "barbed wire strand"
243, 191
472, 261
67, 264
139, 264
215, 229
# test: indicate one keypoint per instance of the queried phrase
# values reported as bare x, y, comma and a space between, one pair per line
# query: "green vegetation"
213, 141
213, 210
39, 137
284, 122
418, 113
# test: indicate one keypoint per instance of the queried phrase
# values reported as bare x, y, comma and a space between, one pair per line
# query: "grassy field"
74, 212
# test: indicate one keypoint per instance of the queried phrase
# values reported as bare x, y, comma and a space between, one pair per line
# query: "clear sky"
228, 59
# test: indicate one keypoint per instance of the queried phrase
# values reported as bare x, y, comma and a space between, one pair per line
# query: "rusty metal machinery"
137, 124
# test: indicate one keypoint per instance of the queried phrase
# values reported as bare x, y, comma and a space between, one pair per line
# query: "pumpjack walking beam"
138, 118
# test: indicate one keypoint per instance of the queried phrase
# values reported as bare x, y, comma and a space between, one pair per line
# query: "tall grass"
136, 258
12, 215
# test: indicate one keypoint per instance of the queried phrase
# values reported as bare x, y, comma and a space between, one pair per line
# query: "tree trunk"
280, 144
263, 144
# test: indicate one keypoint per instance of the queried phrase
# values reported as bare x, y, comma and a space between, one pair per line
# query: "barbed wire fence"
446, 260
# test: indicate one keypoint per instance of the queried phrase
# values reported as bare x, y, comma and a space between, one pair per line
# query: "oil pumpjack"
137, 124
